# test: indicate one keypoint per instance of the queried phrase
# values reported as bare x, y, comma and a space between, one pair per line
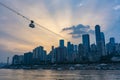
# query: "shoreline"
102, 66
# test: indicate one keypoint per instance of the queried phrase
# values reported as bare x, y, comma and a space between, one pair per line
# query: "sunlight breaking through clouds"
55, 15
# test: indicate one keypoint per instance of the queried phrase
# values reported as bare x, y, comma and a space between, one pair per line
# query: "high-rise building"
97, 34
86, 42
61, 43
52, 48
111, 46
68, 46
103, 44
112, 40
69, 55
98, 40
103, 38
86, 45
61, 55
75, 54
94, 57
75, 48
51, 55
93, 48
117, 49
28, 57
81, 52
39, 55
17, 59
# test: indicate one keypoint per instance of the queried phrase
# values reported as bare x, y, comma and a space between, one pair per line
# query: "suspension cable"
14, 11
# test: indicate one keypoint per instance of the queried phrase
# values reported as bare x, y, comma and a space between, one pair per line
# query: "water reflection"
6, 74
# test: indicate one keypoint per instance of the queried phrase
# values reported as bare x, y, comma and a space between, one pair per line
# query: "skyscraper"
94, 56
61, 53
28, 58
103, 44
81, 52
103, 38
86, 45
68, 46
97, 34
112, 40
18, 59
86, 42
52, 54
61, 43
39, 55
111, 46
100, 41
69, 55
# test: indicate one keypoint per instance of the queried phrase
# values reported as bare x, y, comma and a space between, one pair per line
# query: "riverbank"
102, 66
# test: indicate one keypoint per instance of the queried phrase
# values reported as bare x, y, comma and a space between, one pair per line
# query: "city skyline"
66, 20
100, 52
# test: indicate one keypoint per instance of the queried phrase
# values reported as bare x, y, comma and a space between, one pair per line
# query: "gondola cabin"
31, 25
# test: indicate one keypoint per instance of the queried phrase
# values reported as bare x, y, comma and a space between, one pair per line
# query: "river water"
9, 74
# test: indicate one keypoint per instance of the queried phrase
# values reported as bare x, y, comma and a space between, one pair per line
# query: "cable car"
32, 24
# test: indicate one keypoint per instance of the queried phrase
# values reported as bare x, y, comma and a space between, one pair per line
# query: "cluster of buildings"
71, 54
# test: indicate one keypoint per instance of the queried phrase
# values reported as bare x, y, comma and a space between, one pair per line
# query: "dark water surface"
7, 74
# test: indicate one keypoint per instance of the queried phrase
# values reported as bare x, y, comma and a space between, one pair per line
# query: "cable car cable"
14, 11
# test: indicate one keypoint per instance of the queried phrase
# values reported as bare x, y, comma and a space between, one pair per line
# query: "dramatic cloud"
78, 30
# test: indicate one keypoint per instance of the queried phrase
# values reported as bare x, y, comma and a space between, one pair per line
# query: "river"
9, 74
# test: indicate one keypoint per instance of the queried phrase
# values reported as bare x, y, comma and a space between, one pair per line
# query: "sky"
68, 18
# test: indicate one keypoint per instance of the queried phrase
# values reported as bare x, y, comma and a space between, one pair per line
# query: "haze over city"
64, 17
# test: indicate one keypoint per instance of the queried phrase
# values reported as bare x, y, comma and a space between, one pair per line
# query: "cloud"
117, 7
78, 30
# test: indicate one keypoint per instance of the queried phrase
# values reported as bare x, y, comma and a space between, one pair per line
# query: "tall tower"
68, 45
61, 43
103, 38
86, 45
69, 56
100, 41
103, 44
97, 34
86, 42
